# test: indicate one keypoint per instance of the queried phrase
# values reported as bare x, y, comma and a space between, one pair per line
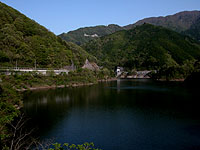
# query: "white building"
119, 71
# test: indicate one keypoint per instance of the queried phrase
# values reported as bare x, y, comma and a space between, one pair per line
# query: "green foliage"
104, 74
10, 100
66, 146
78, 37
176, 71
24, 41
144, 47
81, 76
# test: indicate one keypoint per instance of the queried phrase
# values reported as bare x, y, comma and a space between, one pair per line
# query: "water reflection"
118, 85
124, 114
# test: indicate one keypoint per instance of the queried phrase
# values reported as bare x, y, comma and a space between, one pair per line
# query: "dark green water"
119, 115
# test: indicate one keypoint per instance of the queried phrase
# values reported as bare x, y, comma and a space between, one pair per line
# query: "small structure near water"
119, 71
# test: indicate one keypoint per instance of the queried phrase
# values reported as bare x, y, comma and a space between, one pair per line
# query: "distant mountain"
86, 34
144, 47
179, 22
186, 22
24, 42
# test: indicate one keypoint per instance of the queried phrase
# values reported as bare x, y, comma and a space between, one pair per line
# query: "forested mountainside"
144, 47
83, 35
24, 42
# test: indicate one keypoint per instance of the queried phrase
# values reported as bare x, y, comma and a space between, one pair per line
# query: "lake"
138, 114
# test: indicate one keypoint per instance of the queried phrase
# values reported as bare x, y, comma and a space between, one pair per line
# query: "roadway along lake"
119, 115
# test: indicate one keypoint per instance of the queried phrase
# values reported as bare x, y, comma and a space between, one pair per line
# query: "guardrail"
21, 68
44, 71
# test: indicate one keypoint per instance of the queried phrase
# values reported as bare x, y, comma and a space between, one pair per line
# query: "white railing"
44, 71
28, 68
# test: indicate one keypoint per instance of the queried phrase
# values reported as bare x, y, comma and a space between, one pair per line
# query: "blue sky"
64, 15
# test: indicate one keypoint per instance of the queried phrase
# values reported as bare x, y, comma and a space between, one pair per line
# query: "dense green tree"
144, 47
25, 41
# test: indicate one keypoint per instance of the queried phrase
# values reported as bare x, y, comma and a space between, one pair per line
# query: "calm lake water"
119, 115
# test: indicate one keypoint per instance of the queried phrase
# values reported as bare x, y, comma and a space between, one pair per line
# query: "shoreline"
46, 87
